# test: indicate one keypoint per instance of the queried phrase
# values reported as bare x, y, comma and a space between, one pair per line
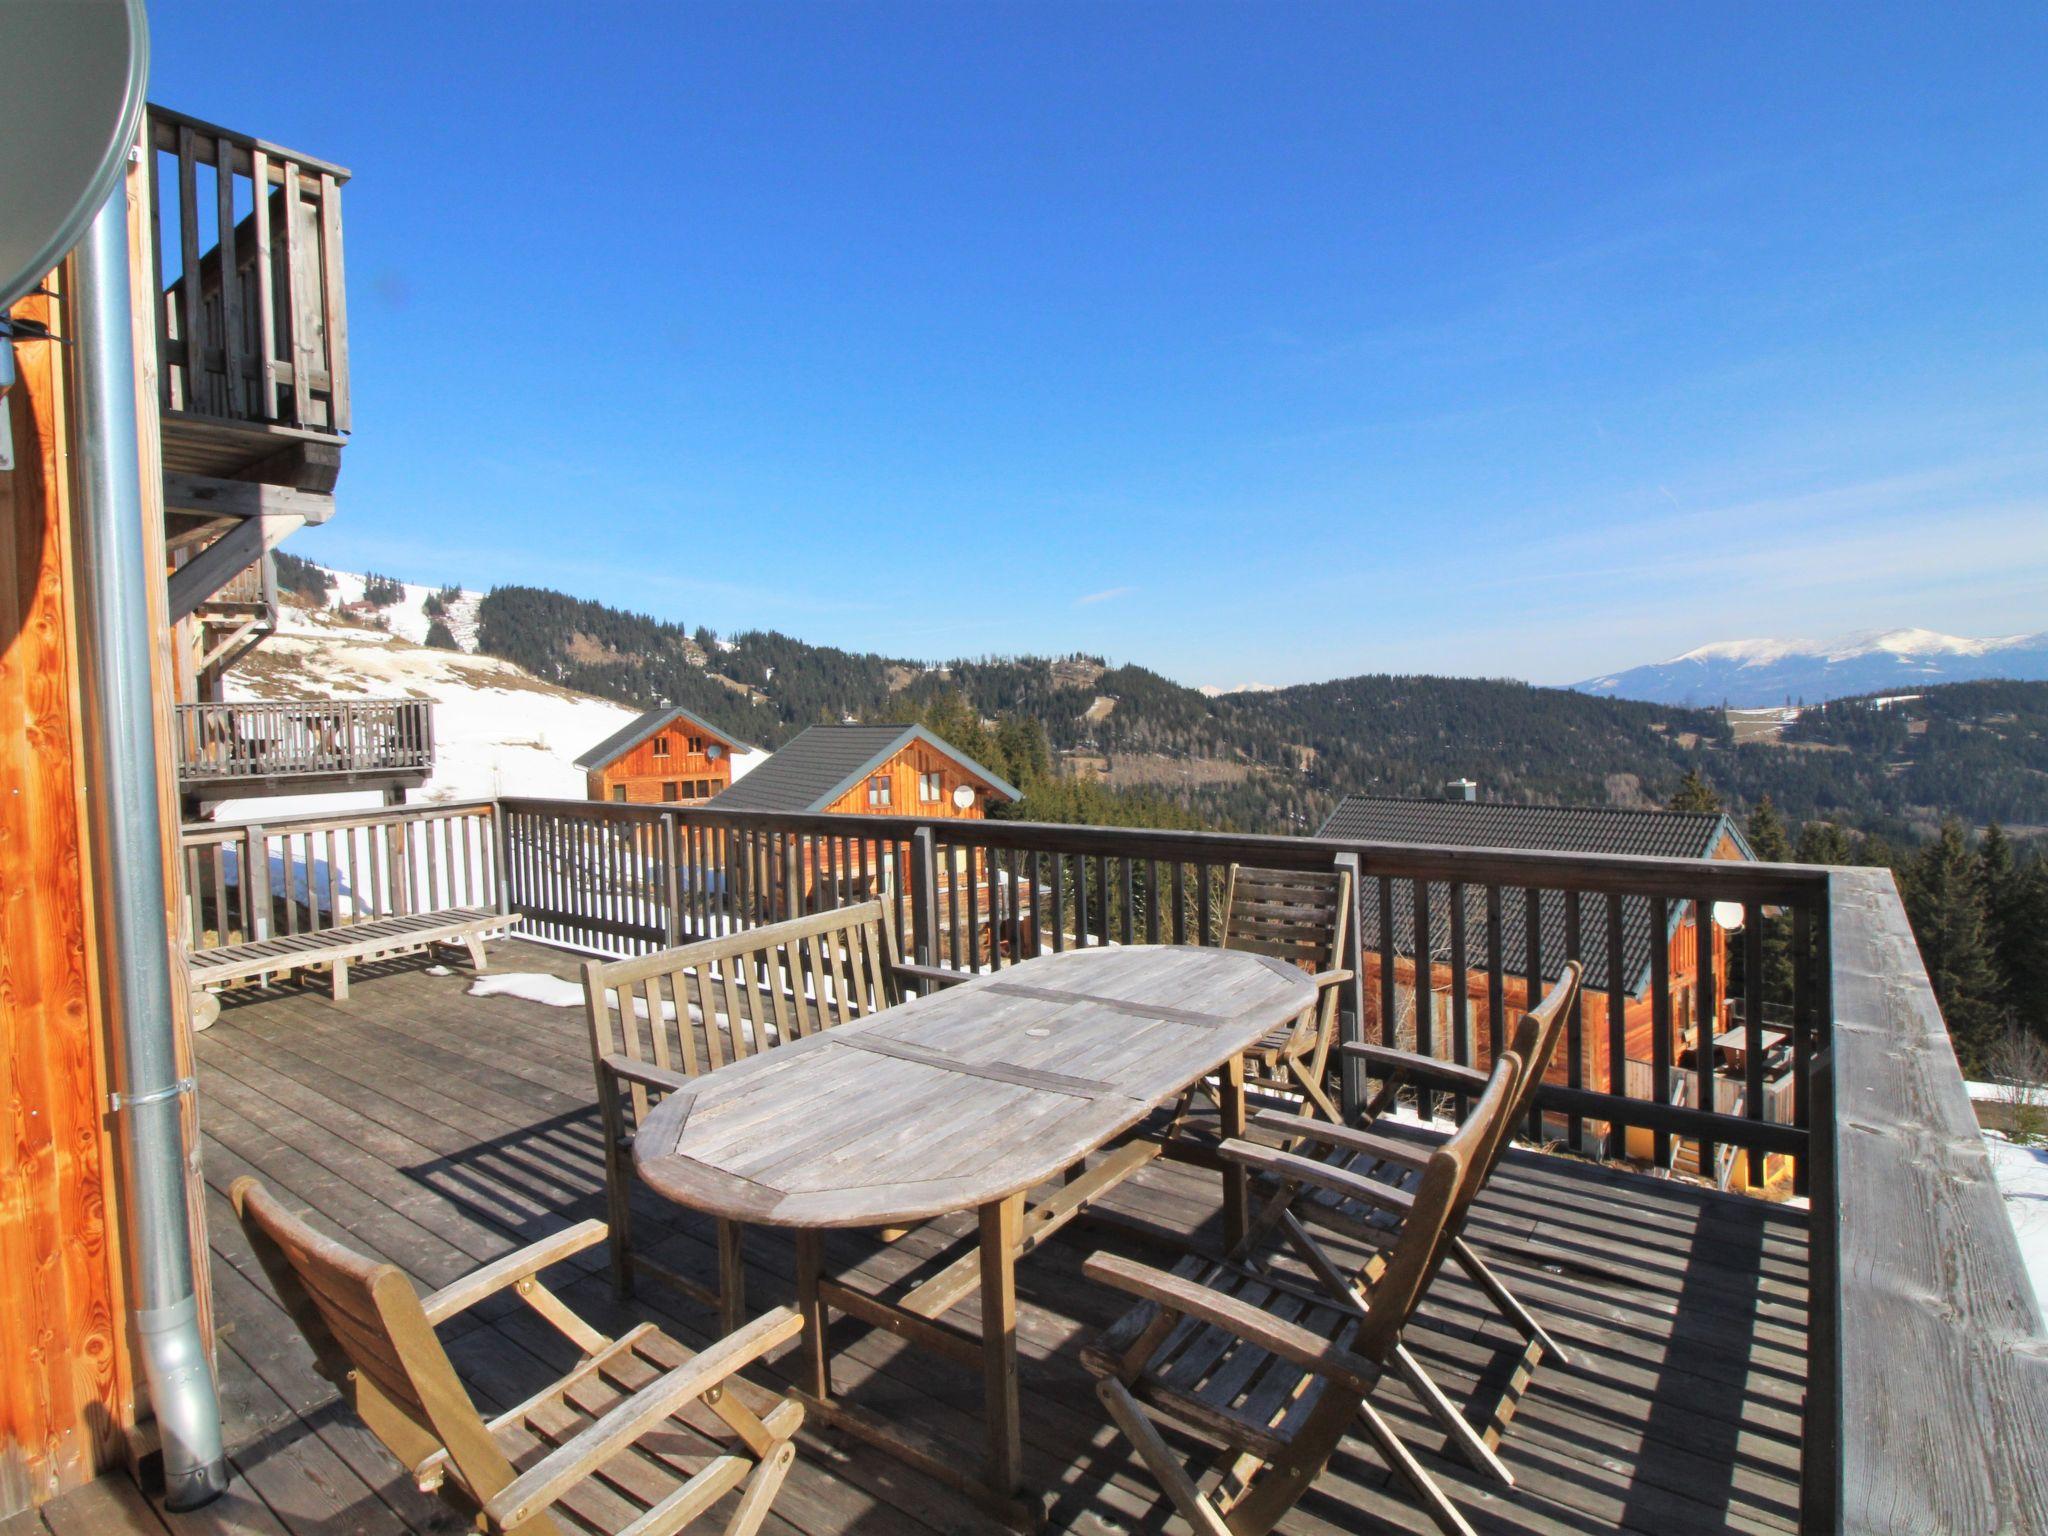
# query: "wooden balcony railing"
261, 336
221, 744
1926, 1390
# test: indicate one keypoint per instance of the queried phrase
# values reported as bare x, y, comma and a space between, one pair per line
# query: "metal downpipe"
115, 646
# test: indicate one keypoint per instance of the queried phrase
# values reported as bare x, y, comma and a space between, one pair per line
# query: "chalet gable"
635, 731
821, 764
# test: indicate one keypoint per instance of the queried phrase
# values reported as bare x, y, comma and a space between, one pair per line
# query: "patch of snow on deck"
534, 986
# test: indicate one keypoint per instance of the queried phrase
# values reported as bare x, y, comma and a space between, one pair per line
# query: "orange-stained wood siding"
902, 772
645, 776
64, 1390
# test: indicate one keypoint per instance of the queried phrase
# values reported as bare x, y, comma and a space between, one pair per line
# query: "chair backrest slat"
694, 1008
372, 1339
1455, 1171
1534, 1043
1295, 915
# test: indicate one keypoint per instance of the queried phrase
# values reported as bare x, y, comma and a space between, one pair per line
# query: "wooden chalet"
666, 756
870, 770
1658, 949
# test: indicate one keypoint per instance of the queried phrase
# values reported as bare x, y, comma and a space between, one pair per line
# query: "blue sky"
1251, 342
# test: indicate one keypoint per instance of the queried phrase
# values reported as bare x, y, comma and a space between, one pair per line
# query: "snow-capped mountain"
1757, 673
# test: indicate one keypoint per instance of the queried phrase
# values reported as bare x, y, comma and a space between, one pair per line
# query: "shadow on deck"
439, 1131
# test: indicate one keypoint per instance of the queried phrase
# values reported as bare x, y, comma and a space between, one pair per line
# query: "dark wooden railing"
219, 744
305, 874
1927, 1374
263, 335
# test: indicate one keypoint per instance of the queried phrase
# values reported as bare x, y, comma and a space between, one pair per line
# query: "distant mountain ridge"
1751, 674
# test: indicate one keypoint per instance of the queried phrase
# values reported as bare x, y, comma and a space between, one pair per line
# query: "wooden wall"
644, 776
65, 1392
902, 771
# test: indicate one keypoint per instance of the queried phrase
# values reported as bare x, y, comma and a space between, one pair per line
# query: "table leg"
1001, 1226
817, 1357
1231, 1121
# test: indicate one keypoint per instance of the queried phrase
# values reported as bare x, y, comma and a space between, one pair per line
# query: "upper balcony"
252, 316
309, 746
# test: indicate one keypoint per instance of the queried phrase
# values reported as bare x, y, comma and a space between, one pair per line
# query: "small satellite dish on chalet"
963, 797
1728, 915
713, 751
73, 74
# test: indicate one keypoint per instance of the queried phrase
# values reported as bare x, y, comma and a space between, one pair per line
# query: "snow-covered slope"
408, 617
1755, 673
498, 730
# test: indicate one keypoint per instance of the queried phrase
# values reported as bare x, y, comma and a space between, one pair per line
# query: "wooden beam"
244, 498
227, 557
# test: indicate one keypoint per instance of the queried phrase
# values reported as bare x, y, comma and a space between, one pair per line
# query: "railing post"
501, 860
792, 875
672, 878
256, 879
1351, 1010
924, 895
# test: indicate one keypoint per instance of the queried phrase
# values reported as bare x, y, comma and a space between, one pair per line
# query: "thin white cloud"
1105, 595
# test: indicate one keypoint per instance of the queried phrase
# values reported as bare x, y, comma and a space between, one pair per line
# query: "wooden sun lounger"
338, 948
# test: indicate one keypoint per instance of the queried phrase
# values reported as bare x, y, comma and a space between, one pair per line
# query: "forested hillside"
1278, 761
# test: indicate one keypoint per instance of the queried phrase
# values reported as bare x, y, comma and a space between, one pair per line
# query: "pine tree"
1945, 901
440, 637
1767, 836
1822, 842
1694, 794
2016, 920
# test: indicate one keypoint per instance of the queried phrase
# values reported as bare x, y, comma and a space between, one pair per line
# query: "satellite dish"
713, 751
73, 74
963, 796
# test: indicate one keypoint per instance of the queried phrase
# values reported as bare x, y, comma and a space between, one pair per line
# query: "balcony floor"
439, 1131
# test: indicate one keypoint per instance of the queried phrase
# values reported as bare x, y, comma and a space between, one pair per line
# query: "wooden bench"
337, 948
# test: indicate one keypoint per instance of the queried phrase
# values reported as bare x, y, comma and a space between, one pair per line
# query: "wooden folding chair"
642, 1436
1398, 1163
1276, 1369
659, 1020
1302, 917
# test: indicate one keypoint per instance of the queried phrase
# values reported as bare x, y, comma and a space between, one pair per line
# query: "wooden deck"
440, 1130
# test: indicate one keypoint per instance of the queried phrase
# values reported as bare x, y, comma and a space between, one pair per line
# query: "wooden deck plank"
440, 1130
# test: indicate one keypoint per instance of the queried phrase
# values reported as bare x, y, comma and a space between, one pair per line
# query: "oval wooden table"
967, 1098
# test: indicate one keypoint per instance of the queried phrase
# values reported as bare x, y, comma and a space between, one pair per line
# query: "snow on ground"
498, 730
534, 986
2022, 1174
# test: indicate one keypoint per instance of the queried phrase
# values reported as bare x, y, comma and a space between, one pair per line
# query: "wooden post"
1001, 1227
672, 878
924, 895
1230, 1121
792, 875
255, 858
1352, 1089
501, 862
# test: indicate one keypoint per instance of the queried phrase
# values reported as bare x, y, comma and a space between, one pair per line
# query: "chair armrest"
1324, 979
1190, 1298
936, 975
575, 1459
1384, 1149
627, 1069
1385, 1061
1296, 1169
494, 1277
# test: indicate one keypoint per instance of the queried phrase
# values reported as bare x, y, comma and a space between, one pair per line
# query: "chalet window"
878, 790
619, 793
704, 789
696, 746
929, 790
672, 789
661, 746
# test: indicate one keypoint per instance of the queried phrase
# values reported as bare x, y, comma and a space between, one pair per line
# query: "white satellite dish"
713, 751
73, 74
1728, 915
963, 797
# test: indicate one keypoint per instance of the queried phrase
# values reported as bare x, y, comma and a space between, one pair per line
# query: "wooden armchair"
661, 1019
1302, 917
1275, 1368
642, 1436
1398, 1163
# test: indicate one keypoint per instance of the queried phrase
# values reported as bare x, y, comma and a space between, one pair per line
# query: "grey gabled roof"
1546, 828
637, 730
823, 763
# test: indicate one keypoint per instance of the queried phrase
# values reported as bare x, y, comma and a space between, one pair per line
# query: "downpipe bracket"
116, 1102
